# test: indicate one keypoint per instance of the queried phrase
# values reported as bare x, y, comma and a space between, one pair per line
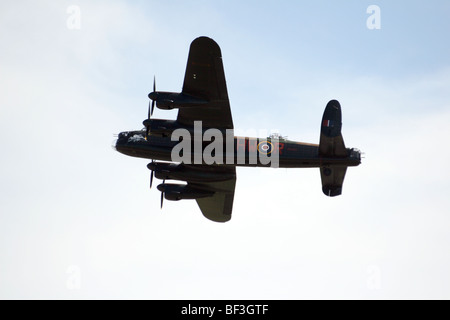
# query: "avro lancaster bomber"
199, 147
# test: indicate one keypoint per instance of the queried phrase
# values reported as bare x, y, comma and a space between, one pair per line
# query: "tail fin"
332, 146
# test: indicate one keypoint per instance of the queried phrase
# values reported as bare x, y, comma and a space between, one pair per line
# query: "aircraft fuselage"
243, 151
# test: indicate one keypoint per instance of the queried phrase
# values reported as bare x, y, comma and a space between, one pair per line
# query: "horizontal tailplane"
332, 145
331, 142
332, 180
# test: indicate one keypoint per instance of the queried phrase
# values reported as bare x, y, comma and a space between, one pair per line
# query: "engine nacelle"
159, 127
165, 128
175, 192
168, 171
171, 100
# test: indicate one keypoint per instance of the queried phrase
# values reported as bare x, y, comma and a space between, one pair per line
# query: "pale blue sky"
77, 219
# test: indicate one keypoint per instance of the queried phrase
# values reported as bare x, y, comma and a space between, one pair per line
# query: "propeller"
151, 105
151, 166
162, 195
151, 179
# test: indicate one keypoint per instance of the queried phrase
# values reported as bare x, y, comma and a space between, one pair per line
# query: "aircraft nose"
121, 139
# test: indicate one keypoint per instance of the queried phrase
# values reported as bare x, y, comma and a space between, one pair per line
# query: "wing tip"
204, 41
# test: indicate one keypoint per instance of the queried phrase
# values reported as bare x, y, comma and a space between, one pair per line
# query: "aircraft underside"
200, 150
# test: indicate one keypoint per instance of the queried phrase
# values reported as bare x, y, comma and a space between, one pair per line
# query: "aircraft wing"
205, 79
219, 206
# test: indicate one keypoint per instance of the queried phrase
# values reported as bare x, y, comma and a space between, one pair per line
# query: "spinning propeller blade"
151, 107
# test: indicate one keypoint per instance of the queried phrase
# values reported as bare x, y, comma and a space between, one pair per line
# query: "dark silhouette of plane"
200, 148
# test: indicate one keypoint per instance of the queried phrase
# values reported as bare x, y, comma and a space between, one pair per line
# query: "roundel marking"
265, 147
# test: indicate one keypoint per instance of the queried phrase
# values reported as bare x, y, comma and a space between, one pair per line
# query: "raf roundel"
265, 147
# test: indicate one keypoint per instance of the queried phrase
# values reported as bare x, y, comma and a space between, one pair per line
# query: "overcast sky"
77, 219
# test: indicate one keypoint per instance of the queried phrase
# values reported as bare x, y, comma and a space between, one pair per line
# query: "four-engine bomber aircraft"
204, 101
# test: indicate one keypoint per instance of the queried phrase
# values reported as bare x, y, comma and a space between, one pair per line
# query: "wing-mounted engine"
165, 128
160, 127
175, 192
203, 174
167, 101
202, 182
171, 100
